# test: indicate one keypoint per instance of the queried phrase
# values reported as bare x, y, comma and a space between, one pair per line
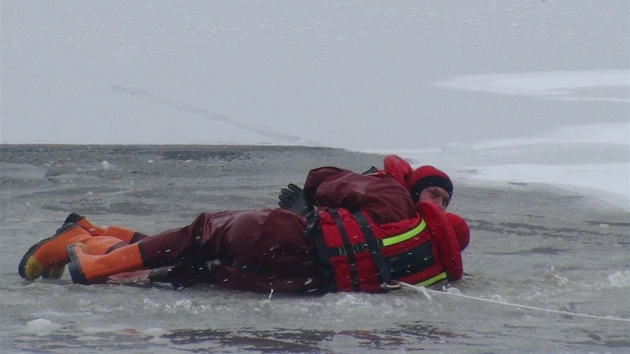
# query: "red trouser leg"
267, 251
261, 248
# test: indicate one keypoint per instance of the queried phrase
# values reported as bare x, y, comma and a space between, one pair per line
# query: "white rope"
426, 292
421, 289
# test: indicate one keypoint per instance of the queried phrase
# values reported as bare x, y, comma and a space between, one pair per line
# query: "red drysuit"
333, 250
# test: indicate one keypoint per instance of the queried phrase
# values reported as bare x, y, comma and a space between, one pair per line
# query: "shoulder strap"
348, 247
373, 247
313, 233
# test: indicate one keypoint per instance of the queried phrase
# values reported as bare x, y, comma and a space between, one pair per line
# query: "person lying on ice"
366, 232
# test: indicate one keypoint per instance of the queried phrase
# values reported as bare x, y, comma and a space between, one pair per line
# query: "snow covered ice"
526, 104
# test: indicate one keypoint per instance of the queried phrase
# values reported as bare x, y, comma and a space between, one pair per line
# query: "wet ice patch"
343, 341
620, 279
349, 300
156, 334
183, 306
498, 298
40, 327
351, 303
22, 171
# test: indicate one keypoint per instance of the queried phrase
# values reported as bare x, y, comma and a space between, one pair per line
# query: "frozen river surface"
547, 270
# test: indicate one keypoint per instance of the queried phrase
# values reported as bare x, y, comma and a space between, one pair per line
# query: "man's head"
428, 184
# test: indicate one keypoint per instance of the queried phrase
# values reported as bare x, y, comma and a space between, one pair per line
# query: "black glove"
370, 171
294, 200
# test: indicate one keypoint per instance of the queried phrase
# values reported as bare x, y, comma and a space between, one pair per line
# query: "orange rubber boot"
92, 269
50, 254
121, 233
95, 245
125, 235
102, 244
84, 223
92, 229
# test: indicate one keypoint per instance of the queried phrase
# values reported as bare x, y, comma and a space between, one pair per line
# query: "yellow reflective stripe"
392, 240
435, 279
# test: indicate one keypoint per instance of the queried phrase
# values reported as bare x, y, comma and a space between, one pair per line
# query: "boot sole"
35, 247
74, 267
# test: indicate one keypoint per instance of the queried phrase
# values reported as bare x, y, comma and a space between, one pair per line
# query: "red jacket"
369, 233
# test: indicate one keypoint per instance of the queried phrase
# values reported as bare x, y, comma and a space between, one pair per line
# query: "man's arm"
383, 198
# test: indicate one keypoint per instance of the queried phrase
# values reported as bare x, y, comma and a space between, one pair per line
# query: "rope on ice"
426, 292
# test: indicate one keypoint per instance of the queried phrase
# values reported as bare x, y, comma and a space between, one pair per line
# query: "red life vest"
359, 255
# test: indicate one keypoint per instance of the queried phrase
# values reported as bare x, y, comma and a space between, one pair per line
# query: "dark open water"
531, 245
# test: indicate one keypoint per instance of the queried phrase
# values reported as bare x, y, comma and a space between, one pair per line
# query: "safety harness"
357, 255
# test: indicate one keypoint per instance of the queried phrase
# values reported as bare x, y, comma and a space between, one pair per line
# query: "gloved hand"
370, 171
294, 200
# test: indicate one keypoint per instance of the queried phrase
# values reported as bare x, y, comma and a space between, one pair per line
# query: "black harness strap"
348, 248
413, 260
313, 233
373, 247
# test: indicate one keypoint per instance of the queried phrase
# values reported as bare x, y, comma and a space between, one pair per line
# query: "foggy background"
351, 74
